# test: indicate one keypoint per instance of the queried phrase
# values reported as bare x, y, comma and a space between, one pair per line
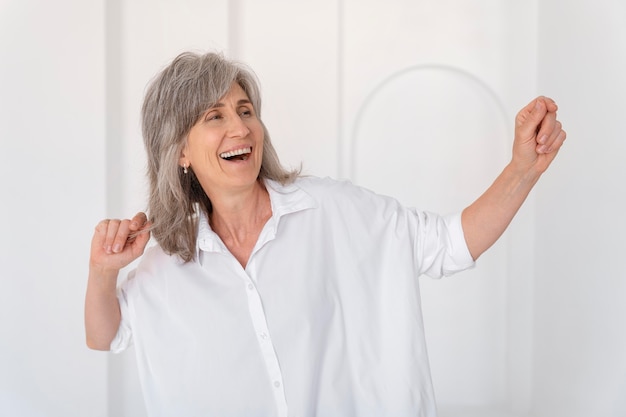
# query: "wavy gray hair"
174, 102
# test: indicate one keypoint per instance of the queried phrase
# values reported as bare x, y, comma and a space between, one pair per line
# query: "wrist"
102, 273
524, 173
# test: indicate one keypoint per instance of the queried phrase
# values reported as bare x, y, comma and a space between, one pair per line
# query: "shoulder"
154, 262
322, 188
310, 191
156, 256
346, 197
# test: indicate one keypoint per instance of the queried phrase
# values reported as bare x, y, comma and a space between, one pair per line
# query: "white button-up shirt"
325, 319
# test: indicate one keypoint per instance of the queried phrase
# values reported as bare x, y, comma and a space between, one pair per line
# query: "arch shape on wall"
427, 120
435, 137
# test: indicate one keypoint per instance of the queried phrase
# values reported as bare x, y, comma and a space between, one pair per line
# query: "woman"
271, 294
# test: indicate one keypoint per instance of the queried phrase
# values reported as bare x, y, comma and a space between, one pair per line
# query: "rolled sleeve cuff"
459, 257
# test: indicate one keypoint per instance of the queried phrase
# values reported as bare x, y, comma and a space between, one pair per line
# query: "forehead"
235, 94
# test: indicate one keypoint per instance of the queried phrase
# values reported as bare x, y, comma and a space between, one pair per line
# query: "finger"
530, 117
141, 239
554, 134
101, 228
138, 221
548, 143
556, 144
121, 236
100, 233
550, 104
111, 233
546, 129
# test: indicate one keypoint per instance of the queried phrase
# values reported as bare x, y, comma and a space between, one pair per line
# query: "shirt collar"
285, 199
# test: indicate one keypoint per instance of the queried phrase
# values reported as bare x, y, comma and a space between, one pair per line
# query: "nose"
237, 127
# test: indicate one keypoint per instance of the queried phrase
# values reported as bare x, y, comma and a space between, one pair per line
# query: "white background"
411, 98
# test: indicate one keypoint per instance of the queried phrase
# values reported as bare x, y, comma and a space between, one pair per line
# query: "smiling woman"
225, 147
271, 294
197, 110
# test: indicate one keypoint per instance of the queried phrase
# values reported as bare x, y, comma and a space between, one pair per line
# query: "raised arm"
538, 138
115, 244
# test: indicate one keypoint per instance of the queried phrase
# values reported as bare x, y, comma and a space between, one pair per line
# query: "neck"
239, 217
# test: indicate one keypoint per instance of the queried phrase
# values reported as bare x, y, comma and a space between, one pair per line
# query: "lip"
240, 150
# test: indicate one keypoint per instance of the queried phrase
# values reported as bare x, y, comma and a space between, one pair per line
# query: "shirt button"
264, 336
250, 287
277, 384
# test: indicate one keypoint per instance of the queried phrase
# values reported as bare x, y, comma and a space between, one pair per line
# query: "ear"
183, 161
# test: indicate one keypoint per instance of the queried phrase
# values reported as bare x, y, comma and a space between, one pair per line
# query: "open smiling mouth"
237, 155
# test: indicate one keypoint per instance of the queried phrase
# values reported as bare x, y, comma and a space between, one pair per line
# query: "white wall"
580, 310
537, 329
52, 176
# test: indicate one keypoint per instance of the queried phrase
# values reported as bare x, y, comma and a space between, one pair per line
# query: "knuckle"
120, 237
102, 225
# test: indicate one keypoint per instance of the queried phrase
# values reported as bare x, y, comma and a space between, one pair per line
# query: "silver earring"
185, 169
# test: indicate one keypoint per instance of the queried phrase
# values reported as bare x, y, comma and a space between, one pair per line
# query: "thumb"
141, 239
530, 117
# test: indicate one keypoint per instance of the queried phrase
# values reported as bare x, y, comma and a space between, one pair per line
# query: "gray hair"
174, 102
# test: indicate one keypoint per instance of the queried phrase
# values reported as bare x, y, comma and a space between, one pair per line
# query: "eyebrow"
239, 103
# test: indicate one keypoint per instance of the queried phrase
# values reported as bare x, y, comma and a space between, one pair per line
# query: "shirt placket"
259, 321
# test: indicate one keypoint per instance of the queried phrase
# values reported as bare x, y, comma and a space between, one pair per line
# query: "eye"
213, 115
245, 112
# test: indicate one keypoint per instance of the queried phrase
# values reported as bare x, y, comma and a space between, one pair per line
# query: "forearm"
102, 310
487, 218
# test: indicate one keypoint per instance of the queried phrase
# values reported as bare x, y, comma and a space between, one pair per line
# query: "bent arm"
538, 138
115, 244
102, 309
487, 218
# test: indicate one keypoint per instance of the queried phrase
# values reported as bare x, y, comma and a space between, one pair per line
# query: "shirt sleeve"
123, 339
441, 249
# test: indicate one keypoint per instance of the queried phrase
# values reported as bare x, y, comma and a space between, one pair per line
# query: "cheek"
258, 133
202, 150
260, 145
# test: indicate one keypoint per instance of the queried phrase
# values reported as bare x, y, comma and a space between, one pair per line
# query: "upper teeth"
235, 153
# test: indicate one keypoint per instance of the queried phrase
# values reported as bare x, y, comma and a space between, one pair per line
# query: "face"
225, 147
